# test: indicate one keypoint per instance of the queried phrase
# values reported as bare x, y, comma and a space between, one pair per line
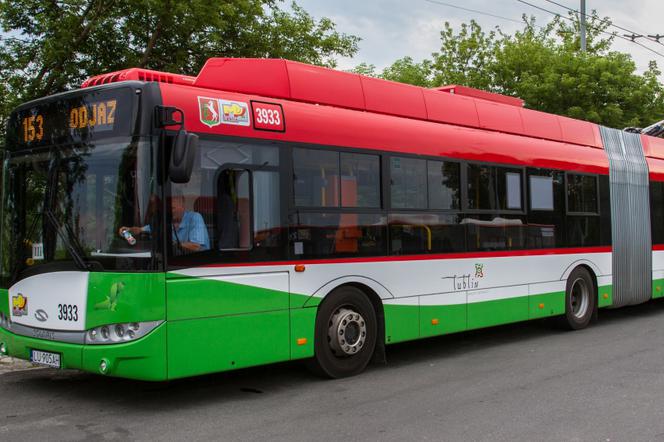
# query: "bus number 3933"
67, 312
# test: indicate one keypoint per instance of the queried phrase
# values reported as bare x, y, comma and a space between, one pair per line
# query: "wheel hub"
580, 298
347, 333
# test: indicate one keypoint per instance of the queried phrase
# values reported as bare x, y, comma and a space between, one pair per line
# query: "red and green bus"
157, 226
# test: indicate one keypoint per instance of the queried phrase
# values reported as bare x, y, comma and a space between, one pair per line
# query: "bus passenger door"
226, 316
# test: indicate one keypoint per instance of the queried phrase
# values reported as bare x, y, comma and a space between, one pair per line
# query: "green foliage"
406, 70
365, 69
50, 46
464, 58
543, 66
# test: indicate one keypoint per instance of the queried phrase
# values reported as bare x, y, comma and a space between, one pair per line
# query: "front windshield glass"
64, 207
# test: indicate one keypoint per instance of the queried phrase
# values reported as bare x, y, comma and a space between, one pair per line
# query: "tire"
346, 333
580, 300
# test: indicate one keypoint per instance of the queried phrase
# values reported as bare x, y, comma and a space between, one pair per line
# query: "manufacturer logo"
43, 334
41, 315
19, 305
209, 111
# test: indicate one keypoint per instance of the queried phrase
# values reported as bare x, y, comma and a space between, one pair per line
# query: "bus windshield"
63, 207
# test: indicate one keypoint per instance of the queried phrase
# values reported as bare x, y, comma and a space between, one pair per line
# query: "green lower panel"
547, 304
501, 311
144, 359
605, 296
115, 298
402, 322
442, 319
657, 288
303, 323
4, 301
189, 298
199, 346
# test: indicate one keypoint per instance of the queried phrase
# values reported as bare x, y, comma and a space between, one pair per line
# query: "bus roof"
459, 105
454, 104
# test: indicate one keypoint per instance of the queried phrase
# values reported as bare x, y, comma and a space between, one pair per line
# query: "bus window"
315, 178
266, 212
582, 193
583, 231
444, 185
657, 211
408, 183
417, 233
360, 180
489, 232
316, 235
582, 223
234, 209
546, 216
541, 193
481, 187
509, 188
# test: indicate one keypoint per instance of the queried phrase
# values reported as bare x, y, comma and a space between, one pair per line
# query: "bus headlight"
118, 333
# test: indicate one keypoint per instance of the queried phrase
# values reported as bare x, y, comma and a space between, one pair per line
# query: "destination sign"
72, 119
98, 115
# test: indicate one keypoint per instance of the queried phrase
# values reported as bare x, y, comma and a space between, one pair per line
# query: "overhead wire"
591, 27
609, 22
436, 2
613, 34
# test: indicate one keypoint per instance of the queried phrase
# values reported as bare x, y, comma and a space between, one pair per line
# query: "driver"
189, 230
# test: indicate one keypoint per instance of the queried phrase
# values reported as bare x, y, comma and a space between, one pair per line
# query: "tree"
543, 66
406, 70
50, 46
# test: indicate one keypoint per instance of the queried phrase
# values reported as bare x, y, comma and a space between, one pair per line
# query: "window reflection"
408, 183
337, 234
581, 193
426, 233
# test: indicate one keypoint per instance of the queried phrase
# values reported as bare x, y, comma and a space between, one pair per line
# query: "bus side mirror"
185, 146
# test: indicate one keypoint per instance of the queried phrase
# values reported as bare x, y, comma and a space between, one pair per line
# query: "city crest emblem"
208, 109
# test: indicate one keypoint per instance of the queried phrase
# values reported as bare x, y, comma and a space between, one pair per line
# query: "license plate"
45, 358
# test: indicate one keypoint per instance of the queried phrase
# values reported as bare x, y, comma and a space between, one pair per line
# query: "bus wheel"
346, 333
580, 299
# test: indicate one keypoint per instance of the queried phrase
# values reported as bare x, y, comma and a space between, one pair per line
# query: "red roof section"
483, 95
289, 80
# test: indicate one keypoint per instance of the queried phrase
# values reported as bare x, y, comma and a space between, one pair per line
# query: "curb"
8, 365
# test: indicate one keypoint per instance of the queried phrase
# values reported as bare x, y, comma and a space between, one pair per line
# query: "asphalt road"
526, 381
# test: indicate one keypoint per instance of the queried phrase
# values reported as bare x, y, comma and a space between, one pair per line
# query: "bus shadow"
261, 382
96, 390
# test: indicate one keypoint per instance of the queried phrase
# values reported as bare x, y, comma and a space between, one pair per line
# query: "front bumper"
143, 359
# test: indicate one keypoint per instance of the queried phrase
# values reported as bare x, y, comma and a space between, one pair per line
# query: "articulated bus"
157, 226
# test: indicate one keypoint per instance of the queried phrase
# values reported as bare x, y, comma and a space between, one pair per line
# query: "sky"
391, 29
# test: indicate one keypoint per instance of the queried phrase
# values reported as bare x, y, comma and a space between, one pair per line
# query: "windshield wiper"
70, 244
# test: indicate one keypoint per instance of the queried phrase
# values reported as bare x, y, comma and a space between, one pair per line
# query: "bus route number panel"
268, 116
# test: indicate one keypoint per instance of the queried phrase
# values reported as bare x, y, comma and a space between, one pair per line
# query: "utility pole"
583, 25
